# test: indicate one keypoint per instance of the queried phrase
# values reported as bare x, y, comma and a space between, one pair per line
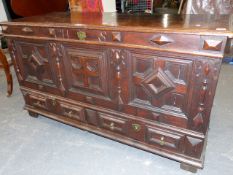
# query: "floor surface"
41, 146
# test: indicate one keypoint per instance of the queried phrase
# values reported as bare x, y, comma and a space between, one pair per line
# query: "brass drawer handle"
112, 126
81, 35
38, 103
136, 127
54, 102
70, 114
162, 142
27, 30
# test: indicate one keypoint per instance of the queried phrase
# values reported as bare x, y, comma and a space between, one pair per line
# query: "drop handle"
70, 114
136, 127
112, 126
54, 102
162, 142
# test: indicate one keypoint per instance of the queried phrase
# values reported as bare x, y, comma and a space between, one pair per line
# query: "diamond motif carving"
161, 40
213, 45
116, 36
198, 120
193, 146
157, 83
36, 63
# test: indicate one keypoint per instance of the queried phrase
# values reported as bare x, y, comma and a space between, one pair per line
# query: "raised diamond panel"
157, 83
161, 40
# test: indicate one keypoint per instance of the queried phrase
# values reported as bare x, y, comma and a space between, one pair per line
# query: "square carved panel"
86, 70
36, 63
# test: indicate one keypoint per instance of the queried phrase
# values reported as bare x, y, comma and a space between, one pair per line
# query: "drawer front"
114, 124
150, 135
92, 117
71, 111
36, 101
165, 139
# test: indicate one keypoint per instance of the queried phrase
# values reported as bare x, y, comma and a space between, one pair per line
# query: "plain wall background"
3, 16
109, 5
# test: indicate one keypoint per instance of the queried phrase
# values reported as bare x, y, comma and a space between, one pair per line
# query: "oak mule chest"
144, 80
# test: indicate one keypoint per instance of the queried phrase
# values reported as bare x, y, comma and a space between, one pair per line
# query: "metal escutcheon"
81, 35
54, 102
112, 126
136, 127
162, 142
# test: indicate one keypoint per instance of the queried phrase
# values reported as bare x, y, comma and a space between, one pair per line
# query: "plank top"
199, 24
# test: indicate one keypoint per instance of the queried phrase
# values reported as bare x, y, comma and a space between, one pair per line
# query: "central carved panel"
86, 70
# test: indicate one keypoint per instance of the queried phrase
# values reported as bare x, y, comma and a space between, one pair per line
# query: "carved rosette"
118, 60
57, 54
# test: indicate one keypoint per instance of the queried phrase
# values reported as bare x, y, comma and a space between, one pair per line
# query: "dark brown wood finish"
144, 80
6, 67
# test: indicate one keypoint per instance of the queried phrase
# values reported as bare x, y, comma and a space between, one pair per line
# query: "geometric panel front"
86, 71
160, 85
36, 63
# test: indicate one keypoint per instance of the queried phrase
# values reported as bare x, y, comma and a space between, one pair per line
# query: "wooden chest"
143, 80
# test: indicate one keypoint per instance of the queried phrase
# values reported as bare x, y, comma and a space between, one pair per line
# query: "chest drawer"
164, 139
114, 124
36, 101
71, 111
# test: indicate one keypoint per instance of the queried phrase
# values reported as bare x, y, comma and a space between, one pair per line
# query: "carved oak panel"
160, 88
34, 64
86, 70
